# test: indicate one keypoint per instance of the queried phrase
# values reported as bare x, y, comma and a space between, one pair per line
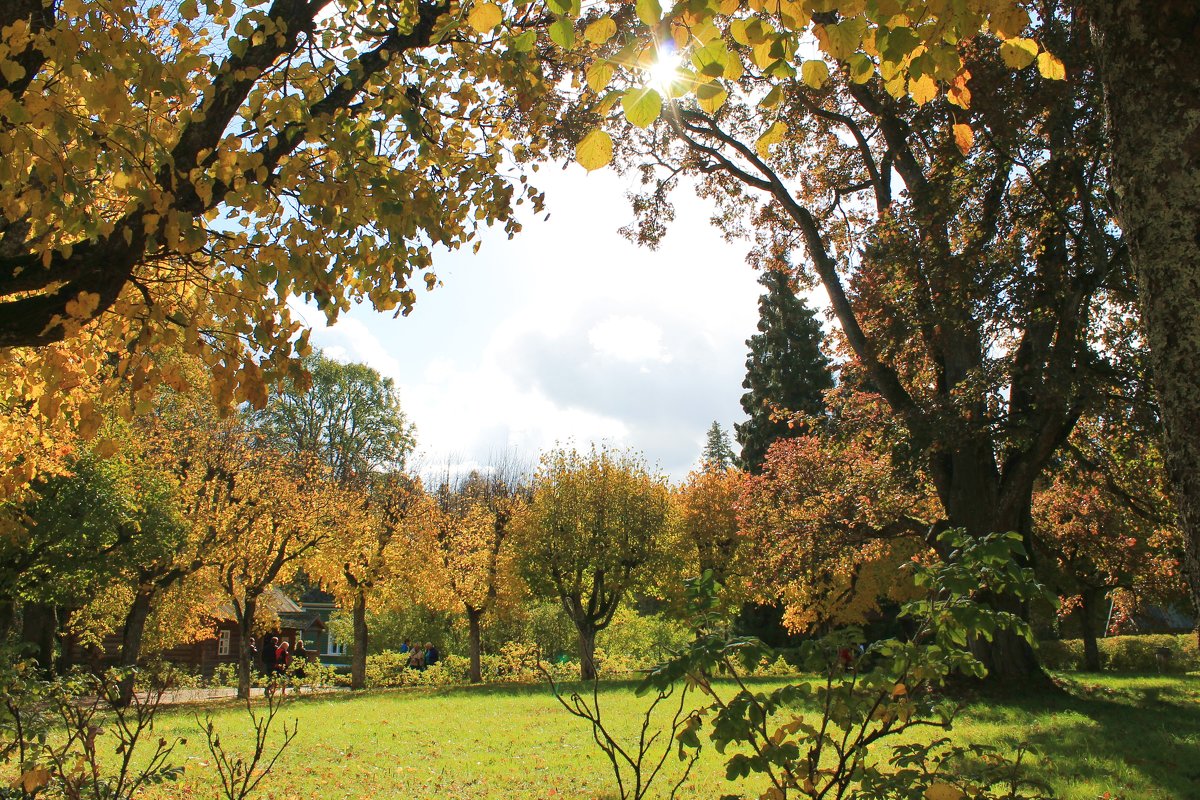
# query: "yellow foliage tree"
596, 525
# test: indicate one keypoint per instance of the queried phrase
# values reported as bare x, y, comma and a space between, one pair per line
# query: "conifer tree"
718, 453
785, 370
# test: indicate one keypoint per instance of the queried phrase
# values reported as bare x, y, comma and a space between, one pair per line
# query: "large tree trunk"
245, 631
39, 624
131, 640
587, 651
1087, 630
473, 619
1146, 52
358, 658
974, 502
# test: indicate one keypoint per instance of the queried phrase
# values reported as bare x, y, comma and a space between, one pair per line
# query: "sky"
569, 334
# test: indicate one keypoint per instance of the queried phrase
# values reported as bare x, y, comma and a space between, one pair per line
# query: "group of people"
420, 657
277, 655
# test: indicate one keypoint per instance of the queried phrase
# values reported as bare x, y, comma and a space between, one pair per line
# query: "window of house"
333, 647
224, 642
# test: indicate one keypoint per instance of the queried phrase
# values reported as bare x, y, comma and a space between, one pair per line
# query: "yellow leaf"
1050, 67
485, 17
922, 89
814, 73
594, 150
943, 791
773, 136
600, 31
899, 690
34, 779
964, 137
1019, 53
1008, 20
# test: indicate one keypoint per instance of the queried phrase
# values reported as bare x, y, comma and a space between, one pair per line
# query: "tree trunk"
131, 641
587, 651
38, 627
358, 659
473, 618
1087, 630
1146, 54
245, 631
974, 503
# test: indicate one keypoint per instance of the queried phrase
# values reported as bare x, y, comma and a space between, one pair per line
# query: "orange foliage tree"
470, 532
830, 518
1104, 526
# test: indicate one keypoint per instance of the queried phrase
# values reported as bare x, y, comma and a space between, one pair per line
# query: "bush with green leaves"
57, 736
1127, 653
841, 735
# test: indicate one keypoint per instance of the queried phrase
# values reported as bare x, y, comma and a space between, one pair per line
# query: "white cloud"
568, 332
629, 339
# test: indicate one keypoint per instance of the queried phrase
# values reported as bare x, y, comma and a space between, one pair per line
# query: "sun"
664, 70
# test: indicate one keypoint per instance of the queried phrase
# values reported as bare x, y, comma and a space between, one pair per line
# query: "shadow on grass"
1149, 725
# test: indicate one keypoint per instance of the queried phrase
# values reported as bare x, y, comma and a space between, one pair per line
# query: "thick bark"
131, 640
39, 624
1146, 54
1087, 630
245, 629
358, 659
587, 651
474, 617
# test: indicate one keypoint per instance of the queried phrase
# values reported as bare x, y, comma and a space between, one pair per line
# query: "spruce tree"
718, 453
784, 370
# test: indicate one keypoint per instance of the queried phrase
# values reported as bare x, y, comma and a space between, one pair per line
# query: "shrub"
1125, 653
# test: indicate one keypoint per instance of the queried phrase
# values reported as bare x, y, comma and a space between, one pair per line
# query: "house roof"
273, 600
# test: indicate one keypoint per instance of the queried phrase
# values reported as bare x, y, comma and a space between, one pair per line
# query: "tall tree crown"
785, 370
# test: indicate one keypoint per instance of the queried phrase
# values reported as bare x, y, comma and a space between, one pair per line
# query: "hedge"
1126, 653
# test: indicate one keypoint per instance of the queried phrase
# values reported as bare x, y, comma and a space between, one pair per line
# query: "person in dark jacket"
431, 654
269, 646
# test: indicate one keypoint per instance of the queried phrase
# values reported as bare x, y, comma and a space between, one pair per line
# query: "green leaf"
711, 60
814, 73
843, 39
523, 43
559, 6
861, 67
649, 12
594, 150
598, 74
600, 31
642, 106
562, 33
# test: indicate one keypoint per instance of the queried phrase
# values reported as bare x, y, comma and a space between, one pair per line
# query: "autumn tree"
363, 559
176, 173
595, 526
832, 516
348, 417
471, 533
965, 265
706, 517
786, 371
1106, 529
270, 512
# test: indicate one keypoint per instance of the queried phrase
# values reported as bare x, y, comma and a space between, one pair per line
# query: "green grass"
1130, 736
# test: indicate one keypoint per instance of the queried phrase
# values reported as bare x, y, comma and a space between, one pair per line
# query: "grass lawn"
1129, 736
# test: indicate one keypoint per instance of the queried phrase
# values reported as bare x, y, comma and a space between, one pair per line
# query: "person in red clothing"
283, 660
